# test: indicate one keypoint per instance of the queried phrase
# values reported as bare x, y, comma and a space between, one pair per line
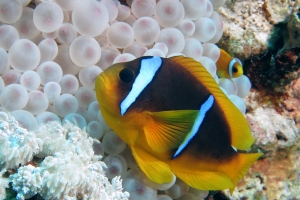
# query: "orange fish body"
176, 119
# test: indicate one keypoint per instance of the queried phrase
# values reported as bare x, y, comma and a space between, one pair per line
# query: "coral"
272, 130
69, 170
251, 188
68, 138
293, 27
274, 107
276, 176
277, 11
246, 28
3, 184
27, 182
292, 104
248, 24
273, 71
17, 145
86, 178
275, 78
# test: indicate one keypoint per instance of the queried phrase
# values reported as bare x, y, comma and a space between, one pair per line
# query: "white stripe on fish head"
149, 67
231, 64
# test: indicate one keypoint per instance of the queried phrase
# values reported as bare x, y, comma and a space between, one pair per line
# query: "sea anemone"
136, 49
194, 9
8, 35
146, 30
25, 25
142, 8
48, 17
112, 143
28, 55
49, 71
85, 51
64, 60
66, 33
30, 80
49, 49
169, 13
92, 12
69, 84
173, 38
11, 11
14, 97
65, 104
88, 75
37, 102
120, 40
52, 91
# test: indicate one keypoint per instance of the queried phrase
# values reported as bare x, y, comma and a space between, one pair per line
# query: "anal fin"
156, 170
205, 180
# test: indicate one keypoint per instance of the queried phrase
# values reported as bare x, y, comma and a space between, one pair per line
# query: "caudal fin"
242, 164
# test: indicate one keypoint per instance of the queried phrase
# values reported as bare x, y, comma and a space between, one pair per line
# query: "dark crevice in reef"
216, 195
280, 136
123, 2
272, 71
298, 13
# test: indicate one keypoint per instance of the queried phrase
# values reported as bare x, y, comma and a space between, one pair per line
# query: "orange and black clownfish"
176, 119
228, 67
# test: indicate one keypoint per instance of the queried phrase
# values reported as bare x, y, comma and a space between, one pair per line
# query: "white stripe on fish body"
231, 64
149, 67
235, 149
199, 119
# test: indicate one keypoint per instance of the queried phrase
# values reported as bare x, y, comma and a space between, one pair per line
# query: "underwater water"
52, 51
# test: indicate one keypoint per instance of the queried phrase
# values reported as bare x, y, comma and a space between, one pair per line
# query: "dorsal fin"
241, 137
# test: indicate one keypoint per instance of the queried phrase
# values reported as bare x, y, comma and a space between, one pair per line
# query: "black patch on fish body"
172, 89
175, 88
124, 88
213, 138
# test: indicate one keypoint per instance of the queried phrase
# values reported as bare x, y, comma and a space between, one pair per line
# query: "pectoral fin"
167, 129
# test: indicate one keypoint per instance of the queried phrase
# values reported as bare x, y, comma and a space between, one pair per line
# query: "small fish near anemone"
176, 119
228, 67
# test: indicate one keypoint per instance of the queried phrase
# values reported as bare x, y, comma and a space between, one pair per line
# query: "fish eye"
235, 70
126, 75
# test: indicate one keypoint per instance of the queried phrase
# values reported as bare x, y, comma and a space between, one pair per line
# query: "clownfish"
176, 119
228, 67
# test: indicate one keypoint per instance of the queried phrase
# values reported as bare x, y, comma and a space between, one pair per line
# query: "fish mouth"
105, 81
102, 79
105, 96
